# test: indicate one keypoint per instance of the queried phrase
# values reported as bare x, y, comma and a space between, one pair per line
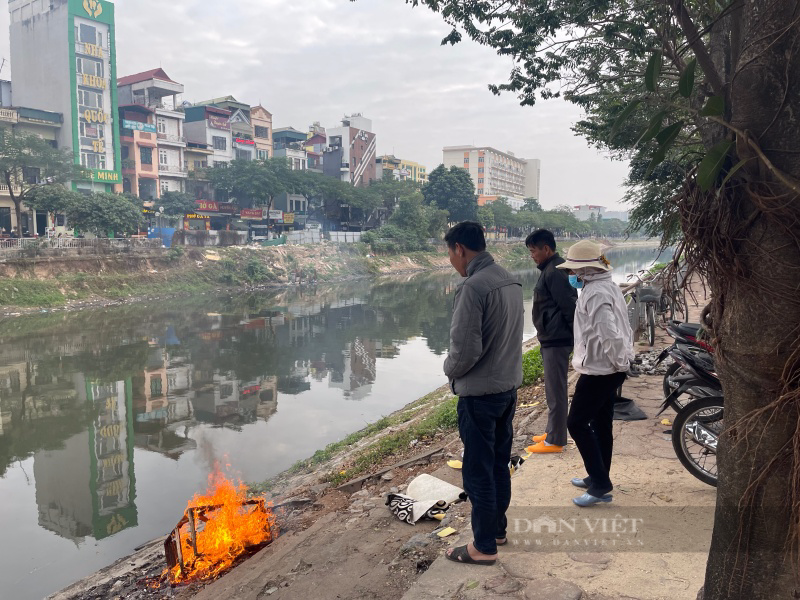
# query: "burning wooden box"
216, 529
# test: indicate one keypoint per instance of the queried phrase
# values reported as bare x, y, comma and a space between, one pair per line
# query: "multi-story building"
497, 173
242, 136
63, 57
315, 146
262, 131
402, 170
152, 133
585, 212
46, 125
290, 144
210, 127
351, 151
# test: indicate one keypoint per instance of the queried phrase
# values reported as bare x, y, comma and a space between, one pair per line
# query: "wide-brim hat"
585, 254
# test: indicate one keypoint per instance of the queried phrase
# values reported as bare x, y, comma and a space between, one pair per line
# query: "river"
110, 420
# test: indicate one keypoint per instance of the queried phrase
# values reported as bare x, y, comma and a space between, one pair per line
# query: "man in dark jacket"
484, 367
554, 302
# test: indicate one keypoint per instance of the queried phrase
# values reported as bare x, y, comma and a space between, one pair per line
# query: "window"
161, 125
90, 160
480, 159
220, 143
466, 160
480, 179
480, 169
243, 154
5, 219
263, 154
261, 132
89, 99
162, 157
89, 66
126, 152
164, 185
88, 35
146, 155
92, 131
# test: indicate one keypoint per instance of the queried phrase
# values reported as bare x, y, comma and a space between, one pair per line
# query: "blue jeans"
485, 426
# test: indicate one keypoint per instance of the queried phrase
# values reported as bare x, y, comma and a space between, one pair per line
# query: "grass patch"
532, 366
29, 292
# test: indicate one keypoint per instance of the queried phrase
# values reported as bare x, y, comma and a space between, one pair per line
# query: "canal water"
110, 420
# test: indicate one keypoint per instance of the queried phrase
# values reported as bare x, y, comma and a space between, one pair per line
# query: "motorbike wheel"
651, 323
695, 433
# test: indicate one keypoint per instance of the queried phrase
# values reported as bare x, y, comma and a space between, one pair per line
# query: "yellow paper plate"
446, 531
455, 464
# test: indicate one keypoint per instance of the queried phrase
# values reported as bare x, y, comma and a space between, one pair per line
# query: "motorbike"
683, 333
694, 376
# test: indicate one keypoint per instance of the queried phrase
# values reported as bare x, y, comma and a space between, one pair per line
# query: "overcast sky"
316, 60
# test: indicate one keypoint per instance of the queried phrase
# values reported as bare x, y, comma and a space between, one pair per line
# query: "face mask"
574, 282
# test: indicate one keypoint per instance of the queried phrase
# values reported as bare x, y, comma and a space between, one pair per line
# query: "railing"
173, 169
4, 188
68, 243
128, 163
171, 138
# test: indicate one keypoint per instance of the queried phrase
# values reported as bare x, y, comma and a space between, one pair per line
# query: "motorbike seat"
688, 329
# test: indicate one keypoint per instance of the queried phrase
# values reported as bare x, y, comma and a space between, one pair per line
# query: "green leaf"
711, 165
686, 83
652, 72
731, 173
667, 135
623, 116
655, 160
715, 107
653, 128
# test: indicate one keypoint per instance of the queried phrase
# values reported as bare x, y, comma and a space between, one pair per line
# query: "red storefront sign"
206, 206
252, 213
244, 141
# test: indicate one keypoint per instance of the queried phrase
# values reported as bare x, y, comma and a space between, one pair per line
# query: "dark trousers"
486, 428
555, 361
590, 423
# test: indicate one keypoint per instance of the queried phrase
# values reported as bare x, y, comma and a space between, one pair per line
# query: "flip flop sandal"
460, 554
501, 541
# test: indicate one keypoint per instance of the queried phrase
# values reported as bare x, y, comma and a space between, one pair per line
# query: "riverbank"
82, 282
72, 283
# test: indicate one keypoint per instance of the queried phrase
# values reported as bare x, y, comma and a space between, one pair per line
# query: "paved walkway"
650, 543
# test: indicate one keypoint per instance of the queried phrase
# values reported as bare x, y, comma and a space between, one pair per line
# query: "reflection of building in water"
87, 486
267, 398
358, 373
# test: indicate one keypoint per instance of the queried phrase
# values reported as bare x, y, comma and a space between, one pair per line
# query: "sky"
318, 60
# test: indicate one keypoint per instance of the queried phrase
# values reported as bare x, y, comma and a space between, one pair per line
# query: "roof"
223, 100
145, 76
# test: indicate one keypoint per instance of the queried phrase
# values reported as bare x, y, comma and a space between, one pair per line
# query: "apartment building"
241, 124
46, 125
262, 131
210, 127
497, 173
403, 170
63, 60
152, 134
351, 151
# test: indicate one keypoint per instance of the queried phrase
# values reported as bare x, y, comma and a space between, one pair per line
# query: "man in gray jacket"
484, 367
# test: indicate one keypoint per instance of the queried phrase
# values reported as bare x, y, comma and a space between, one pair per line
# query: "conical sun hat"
585, 254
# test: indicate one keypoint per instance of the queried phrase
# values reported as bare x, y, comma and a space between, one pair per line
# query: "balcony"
128, 164
171, 139
173, 170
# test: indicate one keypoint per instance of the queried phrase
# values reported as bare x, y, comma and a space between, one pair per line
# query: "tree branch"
698, 47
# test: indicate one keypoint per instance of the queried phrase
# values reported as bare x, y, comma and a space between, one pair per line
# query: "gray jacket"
486, 332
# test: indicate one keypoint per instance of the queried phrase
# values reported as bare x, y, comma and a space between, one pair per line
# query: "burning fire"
216, 529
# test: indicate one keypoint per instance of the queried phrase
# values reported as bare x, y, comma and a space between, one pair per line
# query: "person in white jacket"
603, 355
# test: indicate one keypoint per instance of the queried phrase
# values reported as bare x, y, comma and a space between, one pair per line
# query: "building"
210, 127
262, 131
403, 170
351, 151
63, 60
315, 146
46, 125
497, 173
622, 215
241, 123
585, 212
152, 134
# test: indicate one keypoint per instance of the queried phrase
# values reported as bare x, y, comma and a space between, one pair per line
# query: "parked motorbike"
695, 377
683, 333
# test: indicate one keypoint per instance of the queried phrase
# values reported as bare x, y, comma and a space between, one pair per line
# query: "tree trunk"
18, 212
756, 319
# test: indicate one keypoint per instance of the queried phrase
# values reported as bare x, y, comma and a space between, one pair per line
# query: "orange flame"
226, 528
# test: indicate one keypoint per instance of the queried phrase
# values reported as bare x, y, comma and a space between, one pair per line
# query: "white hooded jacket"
603, 337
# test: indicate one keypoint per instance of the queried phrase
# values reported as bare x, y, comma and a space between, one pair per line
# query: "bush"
175, 253
256, 271
532, 367
228, 238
